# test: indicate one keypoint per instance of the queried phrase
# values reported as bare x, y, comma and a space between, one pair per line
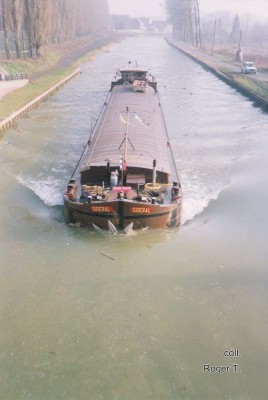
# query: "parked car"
248, 68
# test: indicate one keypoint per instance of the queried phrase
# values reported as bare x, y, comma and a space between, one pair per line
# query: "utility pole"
195, 6
240, 40
214, 34
239, 56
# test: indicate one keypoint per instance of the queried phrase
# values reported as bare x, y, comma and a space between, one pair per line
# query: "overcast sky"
156, 8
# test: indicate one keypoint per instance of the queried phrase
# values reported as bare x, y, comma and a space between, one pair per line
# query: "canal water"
163, 315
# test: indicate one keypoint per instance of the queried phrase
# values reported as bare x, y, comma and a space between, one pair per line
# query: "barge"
126, 177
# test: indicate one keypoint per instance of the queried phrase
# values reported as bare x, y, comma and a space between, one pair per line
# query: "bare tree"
16, 16
38, 22
196, 13
6, 25
234, 35
185, 18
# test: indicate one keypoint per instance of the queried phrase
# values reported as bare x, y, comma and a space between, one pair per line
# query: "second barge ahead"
126, 177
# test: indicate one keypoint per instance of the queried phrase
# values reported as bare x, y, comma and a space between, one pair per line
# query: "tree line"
185, 19
223, 27
231, 28
32, 23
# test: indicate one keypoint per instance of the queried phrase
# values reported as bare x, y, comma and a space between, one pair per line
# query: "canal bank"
256, 90
45, 81
8, 121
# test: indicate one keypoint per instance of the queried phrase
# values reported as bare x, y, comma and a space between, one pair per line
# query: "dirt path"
73, 51
93, 43
8, 86
77, 49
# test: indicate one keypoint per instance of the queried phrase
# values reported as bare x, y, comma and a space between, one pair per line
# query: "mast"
124, 155
126, 137
123, 159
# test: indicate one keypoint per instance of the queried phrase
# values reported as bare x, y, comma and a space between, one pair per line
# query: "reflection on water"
92, 316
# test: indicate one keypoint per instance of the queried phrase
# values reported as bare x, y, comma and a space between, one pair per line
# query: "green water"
92, 316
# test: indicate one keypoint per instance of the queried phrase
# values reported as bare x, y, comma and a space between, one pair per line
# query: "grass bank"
45, 72
254, 86
33, 66
20, 97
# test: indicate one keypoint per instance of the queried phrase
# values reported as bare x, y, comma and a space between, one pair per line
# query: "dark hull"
126, 174
122, 212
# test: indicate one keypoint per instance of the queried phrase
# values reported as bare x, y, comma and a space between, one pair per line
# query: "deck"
148, 138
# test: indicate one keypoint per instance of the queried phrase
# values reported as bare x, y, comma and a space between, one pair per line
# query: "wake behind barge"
126, 176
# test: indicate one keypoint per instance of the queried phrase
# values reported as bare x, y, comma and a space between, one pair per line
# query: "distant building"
127, 23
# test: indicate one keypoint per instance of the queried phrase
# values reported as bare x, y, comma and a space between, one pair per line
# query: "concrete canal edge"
263, 102
8, 121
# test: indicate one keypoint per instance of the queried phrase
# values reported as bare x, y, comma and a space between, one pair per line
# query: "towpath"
75, 50
8, 86
212, 61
